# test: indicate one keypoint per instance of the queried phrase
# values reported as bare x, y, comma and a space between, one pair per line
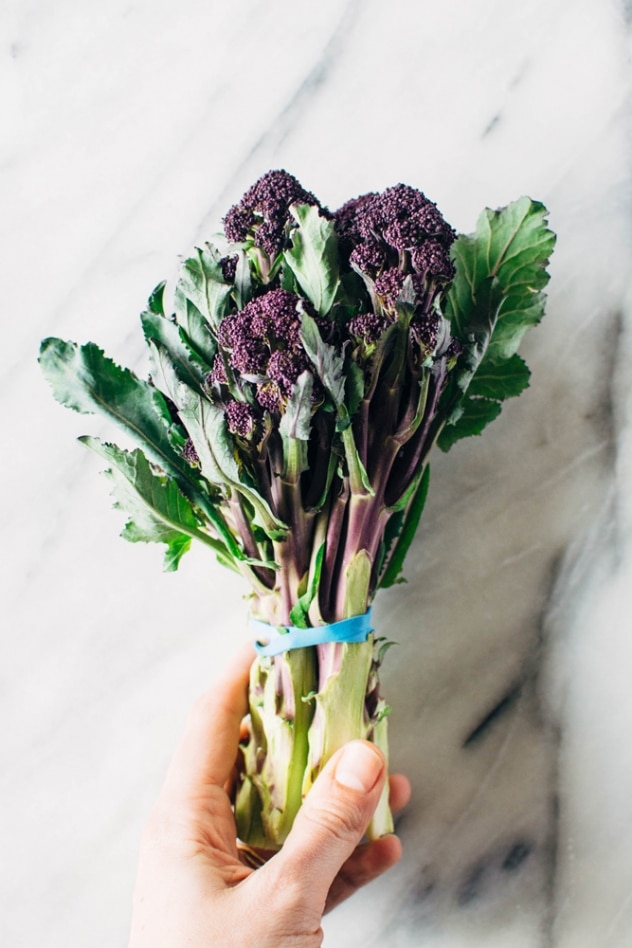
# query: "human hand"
194, 890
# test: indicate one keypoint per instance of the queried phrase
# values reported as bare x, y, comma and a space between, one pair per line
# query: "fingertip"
400, 792
389, 850
359, 766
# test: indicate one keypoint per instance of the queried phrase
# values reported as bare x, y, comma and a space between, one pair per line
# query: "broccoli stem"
346, 680
275, 754
340, 704
306, 704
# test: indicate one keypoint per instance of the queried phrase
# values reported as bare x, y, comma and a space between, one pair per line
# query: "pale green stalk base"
296, 728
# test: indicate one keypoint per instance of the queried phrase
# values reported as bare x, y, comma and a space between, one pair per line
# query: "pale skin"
194, 887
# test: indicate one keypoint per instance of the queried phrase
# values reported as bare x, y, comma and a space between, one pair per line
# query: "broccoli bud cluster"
262, 346
398, 226
392, 236
263, 213
397, 240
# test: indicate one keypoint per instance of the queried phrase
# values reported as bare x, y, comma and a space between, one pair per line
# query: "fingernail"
359, 767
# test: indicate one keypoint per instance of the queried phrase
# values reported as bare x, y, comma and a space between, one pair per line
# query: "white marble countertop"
128, 128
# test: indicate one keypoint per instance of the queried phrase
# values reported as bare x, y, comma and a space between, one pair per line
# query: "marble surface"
127, 129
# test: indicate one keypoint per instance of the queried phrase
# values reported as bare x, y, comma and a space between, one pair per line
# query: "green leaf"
189, 366
499, 272
495, 297
155, 303
242, 290
476, 414
206, 424
195, 326
395, 565
299, 615
202, 282
355, 387
297, 419
85, 379
500, 378
516, 316
358, 478
329, 365
176, 550
313, 257
158, 511
163, 371
295, 427
288, 282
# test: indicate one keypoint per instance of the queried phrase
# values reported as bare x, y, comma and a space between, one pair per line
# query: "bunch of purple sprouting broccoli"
309, 366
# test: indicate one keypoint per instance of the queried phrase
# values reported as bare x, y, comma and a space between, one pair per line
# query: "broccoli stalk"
309, 368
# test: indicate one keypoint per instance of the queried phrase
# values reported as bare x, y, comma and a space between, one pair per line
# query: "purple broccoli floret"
388, 286
284, 368
399, 227
347, 220
431, 260
368, 256
262, 344
364, 330
263, 213
240, 417
190, 454
217, 375
393, 228
229, 267
405, 218
392, 236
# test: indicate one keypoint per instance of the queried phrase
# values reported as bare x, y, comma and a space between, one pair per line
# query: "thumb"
329, 825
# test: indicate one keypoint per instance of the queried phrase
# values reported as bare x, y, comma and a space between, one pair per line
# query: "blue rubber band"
286, 637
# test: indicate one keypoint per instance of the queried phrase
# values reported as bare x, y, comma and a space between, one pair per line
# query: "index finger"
208, 748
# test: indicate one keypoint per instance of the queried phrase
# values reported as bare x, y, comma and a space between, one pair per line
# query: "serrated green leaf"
494, 299
85, 379
476, 414
163, 371
505, 260
313, 257
515, 319
500, 378
202, 282
158, 511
